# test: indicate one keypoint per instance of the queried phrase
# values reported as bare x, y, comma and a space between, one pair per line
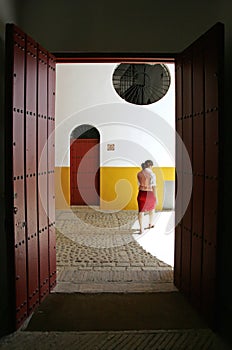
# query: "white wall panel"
85, 95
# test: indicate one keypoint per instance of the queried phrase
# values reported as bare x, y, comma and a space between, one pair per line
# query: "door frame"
69, 58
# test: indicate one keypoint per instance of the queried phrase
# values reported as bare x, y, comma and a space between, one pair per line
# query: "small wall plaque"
110, 147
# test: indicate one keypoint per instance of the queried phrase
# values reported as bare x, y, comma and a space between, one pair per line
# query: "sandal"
149, 227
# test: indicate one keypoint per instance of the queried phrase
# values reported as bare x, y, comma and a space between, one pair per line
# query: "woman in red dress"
147, 193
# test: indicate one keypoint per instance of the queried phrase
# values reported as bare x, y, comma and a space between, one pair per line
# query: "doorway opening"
84, 166
102, 242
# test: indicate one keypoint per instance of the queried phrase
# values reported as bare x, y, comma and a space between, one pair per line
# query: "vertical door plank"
187, 139
198, 174
51, 166
179, 173
19, 177
213, 70
31, 173
42, 172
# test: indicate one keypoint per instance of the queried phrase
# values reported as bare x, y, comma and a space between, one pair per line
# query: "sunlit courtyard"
159, 241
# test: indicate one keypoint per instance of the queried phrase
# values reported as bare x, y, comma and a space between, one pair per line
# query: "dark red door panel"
178, 82
198, 205
84, 172
211, 144
42, 145
31, 76
187, 136
20, 252
210, 210
51, 86
42, 200
30, 98
32, 245
187, 85
51, 138
31, 145
31, 173
198, 145
33, 271
18, 145
31, 197
196, 268
19, 211
51, 197
187, 218
177, 255
42, 81
18, 71
18, 119
43, 236
52, 257
198, 81
199, 105
43, 172
185, 260
213, 56
21, 282
43, 262
208, 281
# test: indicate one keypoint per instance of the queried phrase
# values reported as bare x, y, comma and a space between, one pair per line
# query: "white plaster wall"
85, 95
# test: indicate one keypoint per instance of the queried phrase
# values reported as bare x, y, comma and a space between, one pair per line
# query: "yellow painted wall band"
118, 187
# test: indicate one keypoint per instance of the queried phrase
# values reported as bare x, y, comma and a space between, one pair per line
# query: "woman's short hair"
148, 163
143, 166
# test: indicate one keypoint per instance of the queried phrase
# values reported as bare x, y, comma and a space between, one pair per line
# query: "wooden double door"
30, 123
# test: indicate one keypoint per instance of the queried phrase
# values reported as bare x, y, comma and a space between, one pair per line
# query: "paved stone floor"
97, 252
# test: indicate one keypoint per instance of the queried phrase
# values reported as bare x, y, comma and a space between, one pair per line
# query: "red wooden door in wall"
84, 171
199, 77
30, 124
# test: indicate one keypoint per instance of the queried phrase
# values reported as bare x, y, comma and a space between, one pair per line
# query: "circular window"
141, 84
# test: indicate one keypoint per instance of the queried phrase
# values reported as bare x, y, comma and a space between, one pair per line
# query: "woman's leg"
151, 218
140, 218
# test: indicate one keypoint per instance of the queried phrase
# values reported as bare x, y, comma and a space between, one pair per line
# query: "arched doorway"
84, 165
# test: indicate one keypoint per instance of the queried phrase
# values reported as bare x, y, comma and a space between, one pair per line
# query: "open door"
29, 145
199, 77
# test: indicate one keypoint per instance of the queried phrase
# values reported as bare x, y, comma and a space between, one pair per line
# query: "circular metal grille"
141, 84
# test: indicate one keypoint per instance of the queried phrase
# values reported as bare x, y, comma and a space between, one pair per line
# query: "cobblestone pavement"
97, 252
